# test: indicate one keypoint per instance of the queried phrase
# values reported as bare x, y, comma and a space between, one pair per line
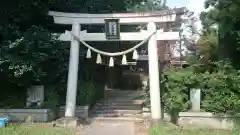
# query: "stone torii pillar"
73, 73
154, 74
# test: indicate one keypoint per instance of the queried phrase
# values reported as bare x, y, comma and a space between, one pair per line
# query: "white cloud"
193, 5
197, 6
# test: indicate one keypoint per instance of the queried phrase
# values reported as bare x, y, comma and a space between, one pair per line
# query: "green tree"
148, 6
21, 18
224, 14
30, 54
28, 58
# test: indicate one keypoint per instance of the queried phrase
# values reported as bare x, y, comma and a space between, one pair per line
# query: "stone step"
125, 98
114, 115
116, 93
121, 118
137, 94
120, 102
116, 112
119, 94
119, 107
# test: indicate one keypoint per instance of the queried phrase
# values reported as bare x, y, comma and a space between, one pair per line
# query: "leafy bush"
51, 100
176, 90
222, 90
89, 93
85, 93
220, 85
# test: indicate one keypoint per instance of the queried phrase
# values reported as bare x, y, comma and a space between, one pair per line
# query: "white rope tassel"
111, 62
89, 55
124, 60
135, 55
99, 59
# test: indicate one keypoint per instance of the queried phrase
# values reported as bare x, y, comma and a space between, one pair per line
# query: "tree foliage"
224, 14
28, 58
30, 54
219, 84
211, 71
27, 47
148, 6
207, 46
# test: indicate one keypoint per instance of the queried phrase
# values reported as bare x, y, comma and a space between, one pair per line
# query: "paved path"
112, 127
107, 128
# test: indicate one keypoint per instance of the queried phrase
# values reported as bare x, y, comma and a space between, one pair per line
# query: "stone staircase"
126, 106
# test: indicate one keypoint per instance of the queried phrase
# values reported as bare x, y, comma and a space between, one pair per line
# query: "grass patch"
35, 130
165, 129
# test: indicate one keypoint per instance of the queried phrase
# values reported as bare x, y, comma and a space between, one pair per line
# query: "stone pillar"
154, 74
35, 95
72, 73
195, 98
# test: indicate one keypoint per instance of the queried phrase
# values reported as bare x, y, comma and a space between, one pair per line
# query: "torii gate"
152, 35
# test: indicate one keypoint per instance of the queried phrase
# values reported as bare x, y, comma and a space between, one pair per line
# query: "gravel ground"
107, 128
141, 128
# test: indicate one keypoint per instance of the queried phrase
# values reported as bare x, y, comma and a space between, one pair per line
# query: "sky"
193, 5
196, 6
